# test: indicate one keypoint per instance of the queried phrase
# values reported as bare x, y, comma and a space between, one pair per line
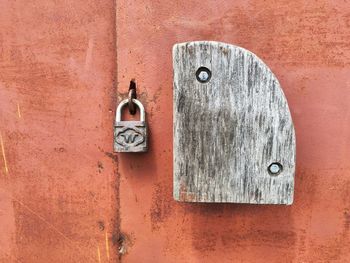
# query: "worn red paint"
60, 194
306, 44
58, 198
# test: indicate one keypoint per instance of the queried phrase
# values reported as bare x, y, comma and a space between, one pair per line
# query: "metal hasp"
130, 136
234, 139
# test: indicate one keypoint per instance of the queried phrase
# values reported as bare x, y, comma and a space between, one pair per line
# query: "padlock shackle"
118, 113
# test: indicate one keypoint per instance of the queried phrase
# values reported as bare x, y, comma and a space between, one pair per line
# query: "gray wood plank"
228, 131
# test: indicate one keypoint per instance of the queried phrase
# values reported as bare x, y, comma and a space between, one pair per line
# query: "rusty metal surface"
58, 199
306, 44
58, 185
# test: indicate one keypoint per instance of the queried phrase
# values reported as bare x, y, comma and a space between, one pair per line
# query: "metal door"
65, 197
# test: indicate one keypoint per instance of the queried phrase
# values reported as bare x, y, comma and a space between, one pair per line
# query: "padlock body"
130, 136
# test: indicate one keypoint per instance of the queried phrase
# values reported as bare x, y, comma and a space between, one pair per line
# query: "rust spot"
346, 220
99, 166
161, 205
59, 149
125, 242
282, 239
113, 156
101, 225
204, 241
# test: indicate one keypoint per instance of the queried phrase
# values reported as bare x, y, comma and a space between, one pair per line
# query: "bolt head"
275, 168
203, 76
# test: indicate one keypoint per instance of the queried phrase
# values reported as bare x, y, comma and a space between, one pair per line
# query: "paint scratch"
42, 219
88, 56
3, 154
107, 245
19, 111
51, 226
98, 254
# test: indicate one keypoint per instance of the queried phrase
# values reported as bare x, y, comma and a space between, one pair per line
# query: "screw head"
275, 168
203, 74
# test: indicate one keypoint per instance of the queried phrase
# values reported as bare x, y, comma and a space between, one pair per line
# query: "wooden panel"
229, 130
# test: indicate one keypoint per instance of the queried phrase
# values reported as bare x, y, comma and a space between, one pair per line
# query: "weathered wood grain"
227, 132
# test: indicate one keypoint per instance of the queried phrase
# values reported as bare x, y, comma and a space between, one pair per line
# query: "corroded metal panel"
58, 197
305, 43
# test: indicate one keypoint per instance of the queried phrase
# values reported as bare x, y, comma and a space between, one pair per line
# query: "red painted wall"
64, 197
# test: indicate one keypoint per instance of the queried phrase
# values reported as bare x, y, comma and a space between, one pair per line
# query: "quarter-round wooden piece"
229, 130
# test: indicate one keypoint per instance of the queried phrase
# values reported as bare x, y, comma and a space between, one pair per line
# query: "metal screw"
275, 168
203, 74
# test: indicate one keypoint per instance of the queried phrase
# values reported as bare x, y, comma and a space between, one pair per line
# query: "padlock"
130, 136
